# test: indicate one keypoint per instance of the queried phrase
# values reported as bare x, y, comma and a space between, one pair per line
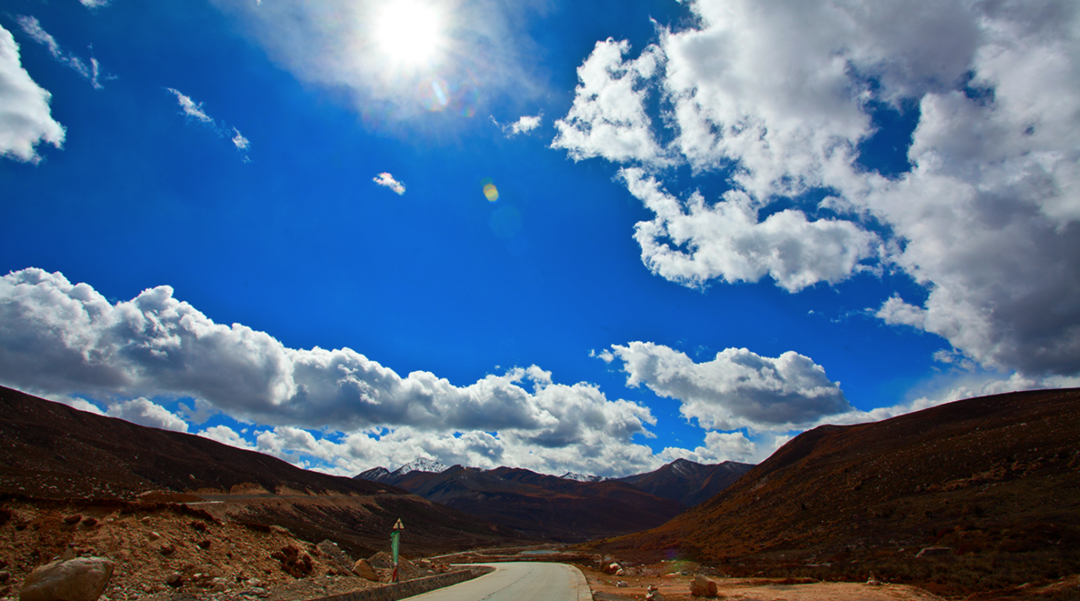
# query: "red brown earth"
995, 480
57, 463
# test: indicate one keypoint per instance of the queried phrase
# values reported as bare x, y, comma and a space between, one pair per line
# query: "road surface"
518, 581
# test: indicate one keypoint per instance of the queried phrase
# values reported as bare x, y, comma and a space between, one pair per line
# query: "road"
518, 581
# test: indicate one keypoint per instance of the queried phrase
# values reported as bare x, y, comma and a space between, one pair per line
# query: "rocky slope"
993, 483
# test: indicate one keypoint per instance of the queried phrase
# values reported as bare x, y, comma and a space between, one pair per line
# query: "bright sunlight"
409, 32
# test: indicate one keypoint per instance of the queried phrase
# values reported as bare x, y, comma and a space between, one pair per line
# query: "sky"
565, 236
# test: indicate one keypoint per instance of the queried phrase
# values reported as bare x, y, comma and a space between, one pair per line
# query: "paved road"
518, 581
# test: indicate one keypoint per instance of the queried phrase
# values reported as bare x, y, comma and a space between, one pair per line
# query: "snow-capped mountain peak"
421, 465
580, 477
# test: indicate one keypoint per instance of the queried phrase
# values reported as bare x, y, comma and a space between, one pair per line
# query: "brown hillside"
50, 451
996, 480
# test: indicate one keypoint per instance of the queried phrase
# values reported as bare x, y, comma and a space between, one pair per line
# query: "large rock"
294, 562
337, 557
81, 579
364, 570
702, 587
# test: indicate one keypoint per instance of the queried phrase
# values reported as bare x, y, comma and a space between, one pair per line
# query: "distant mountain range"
570, 508
994, 481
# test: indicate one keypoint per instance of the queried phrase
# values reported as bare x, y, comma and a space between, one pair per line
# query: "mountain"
688, 482
580, 477
381, 474
995, 480
52, 453
538, 505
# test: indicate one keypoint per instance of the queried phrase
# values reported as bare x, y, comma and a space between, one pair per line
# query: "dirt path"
677, 588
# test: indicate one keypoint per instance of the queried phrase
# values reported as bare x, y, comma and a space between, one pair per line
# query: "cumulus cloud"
728, 240
90, 70
25, 118
228, 436
58, 338
386, 180
94, 3
147, 413
194, 111
738, 388
523, 125
718, 447
608, 117
778, 96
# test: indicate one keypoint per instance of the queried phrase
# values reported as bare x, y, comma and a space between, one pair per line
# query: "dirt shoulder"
676, 587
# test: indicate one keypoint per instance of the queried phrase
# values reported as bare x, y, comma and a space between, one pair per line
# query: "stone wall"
409, 588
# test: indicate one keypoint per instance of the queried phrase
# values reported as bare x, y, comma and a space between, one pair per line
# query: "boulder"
293, 561
613, 568
364, 570
81, 579
331, 551
702, 587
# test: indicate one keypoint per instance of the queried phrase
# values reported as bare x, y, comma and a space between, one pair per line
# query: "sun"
409, 32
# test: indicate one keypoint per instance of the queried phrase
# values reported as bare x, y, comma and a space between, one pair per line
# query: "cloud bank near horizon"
341, 412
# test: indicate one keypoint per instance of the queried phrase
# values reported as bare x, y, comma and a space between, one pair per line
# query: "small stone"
154, 535
174, 580
702, 587
73, 519
167, 550
4, 577
204, 544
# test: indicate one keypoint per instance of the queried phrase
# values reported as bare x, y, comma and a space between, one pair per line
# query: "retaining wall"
409, 588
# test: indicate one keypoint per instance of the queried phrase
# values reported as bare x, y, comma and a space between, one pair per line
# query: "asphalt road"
518, 581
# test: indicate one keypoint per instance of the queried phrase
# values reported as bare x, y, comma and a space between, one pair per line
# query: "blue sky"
565, 236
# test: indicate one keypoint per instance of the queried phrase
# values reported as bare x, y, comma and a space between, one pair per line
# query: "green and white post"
395, 539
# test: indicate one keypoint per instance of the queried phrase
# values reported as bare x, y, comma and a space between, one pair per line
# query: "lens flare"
434, 94
491, 192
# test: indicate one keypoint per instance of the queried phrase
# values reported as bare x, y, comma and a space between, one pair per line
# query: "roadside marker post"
395, 539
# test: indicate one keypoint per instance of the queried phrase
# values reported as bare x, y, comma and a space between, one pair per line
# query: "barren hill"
50, 451
994, 480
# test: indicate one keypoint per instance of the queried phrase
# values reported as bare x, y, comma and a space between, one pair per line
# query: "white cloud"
778, 95
955, 388
608, 117
727, 240
718, 447
147, 413
58, 338
89, 70
387, 180
738, 388
191, 108
94, 3
226, 435
523, 125
239, 140
25, 119
194, 110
